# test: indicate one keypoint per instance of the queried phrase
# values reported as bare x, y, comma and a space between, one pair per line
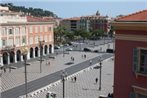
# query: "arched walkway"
5, 58
12, 57
50, 48
18, 54
31, 52
36, 51
45, 49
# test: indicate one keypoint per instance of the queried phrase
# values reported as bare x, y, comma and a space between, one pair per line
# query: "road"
41, 82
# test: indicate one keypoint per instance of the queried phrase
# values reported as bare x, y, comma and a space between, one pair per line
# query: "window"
10, 31
3, 42
140, 60
24, 40
49, 28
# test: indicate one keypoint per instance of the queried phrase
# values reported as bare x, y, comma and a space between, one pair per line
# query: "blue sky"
73, 8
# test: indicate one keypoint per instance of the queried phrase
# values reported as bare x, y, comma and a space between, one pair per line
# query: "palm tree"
59, 34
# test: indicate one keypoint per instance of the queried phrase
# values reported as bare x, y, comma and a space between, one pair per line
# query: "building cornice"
139, 26
142, 38
26, 23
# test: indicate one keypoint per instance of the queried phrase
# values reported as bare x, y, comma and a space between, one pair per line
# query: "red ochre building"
130, 73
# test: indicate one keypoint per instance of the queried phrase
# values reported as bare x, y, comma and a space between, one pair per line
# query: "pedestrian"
96, 80
49, 63
84, 55
90, 62
71, 79
71, 58
4, 70
75, 78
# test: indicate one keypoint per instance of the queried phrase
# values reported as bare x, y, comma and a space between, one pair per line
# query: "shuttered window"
132, 95
136, 60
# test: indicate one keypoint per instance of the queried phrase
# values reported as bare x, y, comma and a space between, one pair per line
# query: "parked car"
110, 51
87, 49
56, 47
66, 45
96, 51
69, 49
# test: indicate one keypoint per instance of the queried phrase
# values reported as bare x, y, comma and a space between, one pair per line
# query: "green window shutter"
132, 95
136, 67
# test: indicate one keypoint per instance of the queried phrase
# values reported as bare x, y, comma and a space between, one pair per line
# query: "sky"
77, 8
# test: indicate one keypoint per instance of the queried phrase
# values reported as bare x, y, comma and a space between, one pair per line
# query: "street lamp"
100, 62
63, 50
24, 53
41, 43
63, 75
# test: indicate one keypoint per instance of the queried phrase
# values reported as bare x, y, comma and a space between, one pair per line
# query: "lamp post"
41, 43
100, 62
63, 50
63, 75
24, 53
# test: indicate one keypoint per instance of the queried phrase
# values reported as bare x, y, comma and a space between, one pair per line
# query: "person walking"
90, 62
96, 80
75, 78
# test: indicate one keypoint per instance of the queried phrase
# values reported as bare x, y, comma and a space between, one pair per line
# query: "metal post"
63, 50
63, 75
63, 86
25, 66
100, 76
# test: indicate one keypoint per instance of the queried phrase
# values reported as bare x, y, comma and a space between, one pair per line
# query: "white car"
69, 49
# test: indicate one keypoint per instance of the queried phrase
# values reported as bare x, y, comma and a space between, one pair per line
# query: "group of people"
83, 55
74, 79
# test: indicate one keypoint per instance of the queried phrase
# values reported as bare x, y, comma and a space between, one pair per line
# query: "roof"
73, 18
138, 16
39, 19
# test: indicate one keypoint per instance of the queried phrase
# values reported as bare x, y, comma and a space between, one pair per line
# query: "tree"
59, 34
96, 34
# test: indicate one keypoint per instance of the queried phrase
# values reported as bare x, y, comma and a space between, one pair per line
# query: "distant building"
17, 30
130, 76
71, 24
94, 22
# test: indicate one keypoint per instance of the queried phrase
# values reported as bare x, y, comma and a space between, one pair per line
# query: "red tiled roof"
38, 19
74, 18
138, 16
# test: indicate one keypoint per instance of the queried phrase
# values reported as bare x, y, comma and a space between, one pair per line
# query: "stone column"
33, 53
22, 58
1, 60
15, 58
52, 49
28, 55
39, 52
8, 58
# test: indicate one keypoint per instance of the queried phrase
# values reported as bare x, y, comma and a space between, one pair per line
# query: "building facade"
71, 24
15, 35
94, 22
130, 76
